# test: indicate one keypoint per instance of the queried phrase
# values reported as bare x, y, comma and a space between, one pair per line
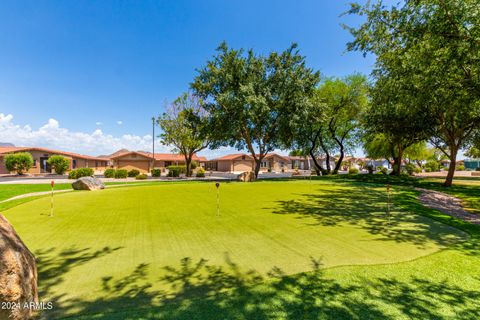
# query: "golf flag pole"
218, 198
52, 184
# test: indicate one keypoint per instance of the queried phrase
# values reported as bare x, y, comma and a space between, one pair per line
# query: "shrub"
269, 169
121, 173
428, 170
200, 173
353, 170
156, 172
142, 176
175, 171
382, 170
59, 163
410, 168
19, 162
432, 165
80, 172
418, 170
477, 169
109, 173
133, 173
461, 167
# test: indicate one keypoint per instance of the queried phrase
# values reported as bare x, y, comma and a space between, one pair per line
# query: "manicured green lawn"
12, 190
279, 250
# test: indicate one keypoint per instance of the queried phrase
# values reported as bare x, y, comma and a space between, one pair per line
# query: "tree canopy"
428, 52
184, 127
254, 99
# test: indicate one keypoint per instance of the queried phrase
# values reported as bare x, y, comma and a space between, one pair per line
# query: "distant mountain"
6, 144
113, 154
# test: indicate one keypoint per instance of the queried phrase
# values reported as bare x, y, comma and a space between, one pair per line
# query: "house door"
44, 165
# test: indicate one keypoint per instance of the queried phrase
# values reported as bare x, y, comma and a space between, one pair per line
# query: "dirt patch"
447, 204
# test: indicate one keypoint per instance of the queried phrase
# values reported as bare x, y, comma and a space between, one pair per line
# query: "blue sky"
77, 68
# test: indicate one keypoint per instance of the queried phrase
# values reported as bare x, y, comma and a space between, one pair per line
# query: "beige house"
145, 161
41, 155
241, 162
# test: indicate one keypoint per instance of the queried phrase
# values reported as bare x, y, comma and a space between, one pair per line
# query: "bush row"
176, 171
80, 172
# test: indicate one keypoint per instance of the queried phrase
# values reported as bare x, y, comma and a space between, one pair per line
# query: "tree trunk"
451, 168
340, 160
327, 159
318, 167
397, 163
188, 164
258, 162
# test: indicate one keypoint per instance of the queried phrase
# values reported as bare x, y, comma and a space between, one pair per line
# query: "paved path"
447, 204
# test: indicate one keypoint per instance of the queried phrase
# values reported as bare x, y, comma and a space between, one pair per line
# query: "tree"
473, 153
330, 121
59, 163
19, 162
252, 99
428, 50
418, 152
184, 127
346, 100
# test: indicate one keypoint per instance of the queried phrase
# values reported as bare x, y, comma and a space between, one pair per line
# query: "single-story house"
41, 155
238, 162
241, 162
307, 163
145, 161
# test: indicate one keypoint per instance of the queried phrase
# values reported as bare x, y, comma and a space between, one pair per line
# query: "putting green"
97, 236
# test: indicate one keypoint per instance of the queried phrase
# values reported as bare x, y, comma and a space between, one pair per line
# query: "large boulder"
18, 275
88, 183
247, 176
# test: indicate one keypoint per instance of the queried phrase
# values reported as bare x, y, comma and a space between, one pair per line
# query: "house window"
96, 164
243, 157
34, 162
134, 155
282, 164
264, 164
74, 164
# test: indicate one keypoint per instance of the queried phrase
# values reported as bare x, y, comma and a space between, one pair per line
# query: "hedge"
80, 172
109, 173
19, 162
59, 163
133, 173
142, 176
156, 172
176, 171
121, 173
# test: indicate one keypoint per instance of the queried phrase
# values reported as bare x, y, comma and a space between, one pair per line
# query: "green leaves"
253, 99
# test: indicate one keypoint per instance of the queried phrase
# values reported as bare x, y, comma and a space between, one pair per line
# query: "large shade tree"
431, 50
331, 120
346, 101
254, 99
184, 126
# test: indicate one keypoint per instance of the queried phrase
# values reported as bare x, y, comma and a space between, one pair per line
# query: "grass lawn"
279, 250
11, 190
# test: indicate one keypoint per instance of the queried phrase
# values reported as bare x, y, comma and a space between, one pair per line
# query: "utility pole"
153, 141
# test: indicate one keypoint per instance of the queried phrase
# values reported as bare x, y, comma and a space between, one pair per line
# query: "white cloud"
119, 122
98, 123
52, 135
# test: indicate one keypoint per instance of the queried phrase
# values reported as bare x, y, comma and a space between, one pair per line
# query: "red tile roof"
158, 156
5, 150
232, 156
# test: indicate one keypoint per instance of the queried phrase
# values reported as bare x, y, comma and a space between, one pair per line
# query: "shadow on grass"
366, 208
197, 290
